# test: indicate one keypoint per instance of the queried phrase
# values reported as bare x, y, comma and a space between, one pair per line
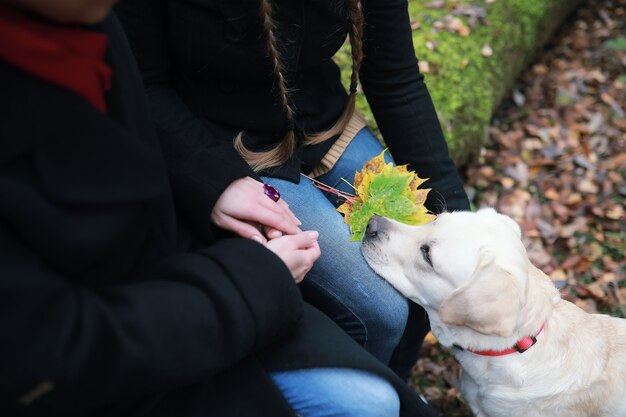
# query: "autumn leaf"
383, 189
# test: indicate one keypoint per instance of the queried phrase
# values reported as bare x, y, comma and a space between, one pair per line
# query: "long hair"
281, 153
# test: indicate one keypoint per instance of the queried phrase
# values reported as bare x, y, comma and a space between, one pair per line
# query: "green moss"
465, 85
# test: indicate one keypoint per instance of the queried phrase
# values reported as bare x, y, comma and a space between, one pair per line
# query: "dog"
524, 351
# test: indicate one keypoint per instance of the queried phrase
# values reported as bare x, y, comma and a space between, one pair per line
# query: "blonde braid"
281, 153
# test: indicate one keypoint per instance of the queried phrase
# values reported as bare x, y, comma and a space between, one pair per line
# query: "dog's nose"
372, 227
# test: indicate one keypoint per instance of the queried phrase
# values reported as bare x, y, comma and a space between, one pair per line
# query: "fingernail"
257, 238
313, 234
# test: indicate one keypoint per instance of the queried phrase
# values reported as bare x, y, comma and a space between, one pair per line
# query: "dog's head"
471, 270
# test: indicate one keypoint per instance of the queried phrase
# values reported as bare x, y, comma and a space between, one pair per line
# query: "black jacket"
104, 308
208, 77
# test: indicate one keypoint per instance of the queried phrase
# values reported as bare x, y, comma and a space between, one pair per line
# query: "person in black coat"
255, 82
110, 304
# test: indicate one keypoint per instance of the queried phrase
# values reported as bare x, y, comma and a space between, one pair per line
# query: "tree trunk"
471, 53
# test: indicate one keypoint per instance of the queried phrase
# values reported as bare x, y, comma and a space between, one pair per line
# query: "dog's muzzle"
373, 227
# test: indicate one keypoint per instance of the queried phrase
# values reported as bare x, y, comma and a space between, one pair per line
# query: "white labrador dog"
524, 351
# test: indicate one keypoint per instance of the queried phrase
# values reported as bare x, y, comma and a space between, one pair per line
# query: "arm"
189, 318
402, 106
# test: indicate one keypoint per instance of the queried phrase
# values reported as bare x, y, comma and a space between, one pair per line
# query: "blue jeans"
341, 283
337, 392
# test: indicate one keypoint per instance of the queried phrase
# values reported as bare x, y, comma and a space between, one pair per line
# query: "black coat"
104, 308
208, 77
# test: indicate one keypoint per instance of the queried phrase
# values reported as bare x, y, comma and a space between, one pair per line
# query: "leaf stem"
348, 182
328, 188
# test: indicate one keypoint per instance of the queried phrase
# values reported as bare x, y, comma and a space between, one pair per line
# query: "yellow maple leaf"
346, 209
395, 195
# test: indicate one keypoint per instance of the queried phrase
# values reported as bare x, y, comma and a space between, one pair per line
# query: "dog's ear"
489, 303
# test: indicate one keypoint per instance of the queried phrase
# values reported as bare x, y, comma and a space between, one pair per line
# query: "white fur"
483, 293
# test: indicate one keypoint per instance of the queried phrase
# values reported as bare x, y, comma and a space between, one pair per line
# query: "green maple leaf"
388, 184
385, 190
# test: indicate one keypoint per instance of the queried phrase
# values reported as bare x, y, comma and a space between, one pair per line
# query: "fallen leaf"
507, 182
615, 213
551, 194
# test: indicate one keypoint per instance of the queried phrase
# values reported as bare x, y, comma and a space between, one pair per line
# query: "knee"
389, 317
369, 395
338, 392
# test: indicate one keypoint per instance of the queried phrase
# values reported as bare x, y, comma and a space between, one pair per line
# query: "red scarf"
67, 56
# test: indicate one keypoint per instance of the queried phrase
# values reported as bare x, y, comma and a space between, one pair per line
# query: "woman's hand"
298, 252
243, 206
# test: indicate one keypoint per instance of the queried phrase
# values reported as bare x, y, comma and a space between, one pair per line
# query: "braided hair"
281, 153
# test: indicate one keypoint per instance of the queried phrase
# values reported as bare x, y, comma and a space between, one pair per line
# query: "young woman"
254, 83
110, 304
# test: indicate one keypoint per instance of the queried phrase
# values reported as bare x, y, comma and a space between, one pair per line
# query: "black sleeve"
402, 106
193, 316
201, 166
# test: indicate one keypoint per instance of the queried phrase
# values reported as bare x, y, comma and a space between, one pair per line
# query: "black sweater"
208, 77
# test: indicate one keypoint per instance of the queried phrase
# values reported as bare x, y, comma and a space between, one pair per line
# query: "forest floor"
556, 163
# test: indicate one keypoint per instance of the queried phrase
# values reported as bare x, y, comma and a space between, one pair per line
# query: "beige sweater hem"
356, 123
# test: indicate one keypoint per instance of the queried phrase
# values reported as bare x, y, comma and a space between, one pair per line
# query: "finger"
272, 233
272, 205
261, 201
312, 254
315, 251
243, 229
265, 211
283, 204
280, 206
274, 220
303, 240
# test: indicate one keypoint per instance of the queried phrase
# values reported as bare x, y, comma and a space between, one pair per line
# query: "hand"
243, 206
298, 252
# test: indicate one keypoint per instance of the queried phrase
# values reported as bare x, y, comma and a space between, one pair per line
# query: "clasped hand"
244, 209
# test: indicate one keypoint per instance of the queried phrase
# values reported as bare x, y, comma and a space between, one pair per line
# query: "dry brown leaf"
616, 212
552, 194
596, 290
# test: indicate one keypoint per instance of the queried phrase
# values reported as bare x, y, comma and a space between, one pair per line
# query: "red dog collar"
521, 346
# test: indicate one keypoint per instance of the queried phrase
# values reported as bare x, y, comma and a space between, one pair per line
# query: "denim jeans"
341, 283
337, 392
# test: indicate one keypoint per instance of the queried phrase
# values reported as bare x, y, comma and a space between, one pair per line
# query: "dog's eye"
425, 249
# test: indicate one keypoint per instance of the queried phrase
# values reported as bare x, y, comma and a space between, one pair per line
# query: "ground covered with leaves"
556, 163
